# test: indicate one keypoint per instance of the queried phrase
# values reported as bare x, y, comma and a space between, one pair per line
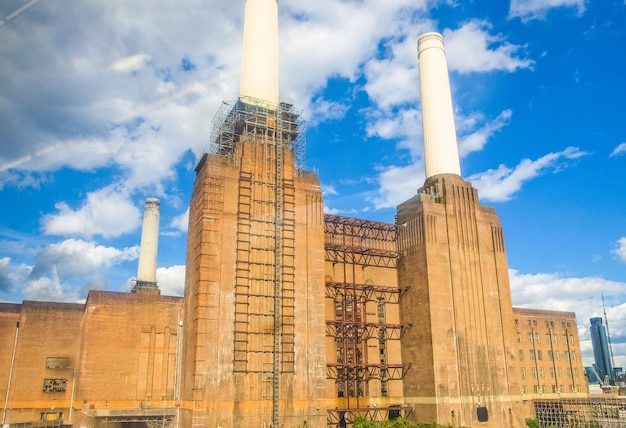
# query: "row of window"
547, 323
555, 389
554, 338
553, 373
552, 355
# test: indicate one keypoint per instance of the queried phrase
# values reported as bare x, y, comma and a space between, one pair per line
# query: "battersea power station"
292, 317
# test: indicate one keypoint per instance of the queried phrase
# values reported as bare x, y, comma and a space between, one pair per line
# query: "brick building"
291, 316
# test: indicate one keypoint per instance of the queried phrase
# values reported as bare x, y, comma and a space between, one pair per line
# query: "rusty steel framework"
355, 242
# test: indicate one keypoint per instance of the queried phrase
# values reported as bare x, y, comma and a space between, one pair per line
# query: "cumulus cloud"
472, 49
477, 138
181, 222
620, 249
106, 212
171, 280
74, 258
538, 9
619, 150
503, 183
584, 296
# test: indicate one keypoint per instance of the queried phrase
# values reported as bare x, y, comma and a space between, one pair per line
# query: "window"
519, 337
547, 338
54, 385
562, 324
529, 322
530, 338
547, 324
575, 371
534, 322
516, 322
569, 372
536, 389
552, 374
50, 416
569, 325
539, 355
560, 388
557, 356
533, 372
524, 389
541, 373
559, 372
555, 339
551, 323
538, 338
543, 389
571, 338
550, 356
571, 388
566, 355
532, 355
554, 389
573, 355
577, 388
523, 373
564, 339
521, 355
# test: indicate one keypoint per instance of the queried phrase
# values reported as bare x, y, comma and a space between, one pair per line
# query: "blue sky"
105, 103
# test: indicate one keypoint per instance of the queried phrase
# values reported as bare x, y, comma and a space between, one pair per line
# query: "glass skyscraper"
601, 354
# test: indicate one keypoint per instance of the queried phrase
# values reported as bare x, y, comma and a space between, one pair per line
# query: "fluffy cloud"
584, 296
181, 222
171, 280
106, 212
538, 9
477, 138
503, 183
619, 150
620, 249
472, 49
74, 258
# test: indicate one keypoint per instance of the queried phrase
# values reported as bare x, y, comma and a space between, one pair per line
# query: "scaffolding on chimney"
252, 116
360, 324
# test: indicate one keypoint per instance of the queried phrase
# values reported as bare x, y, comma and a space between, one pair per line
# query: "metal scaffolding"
606, 411
360, 325
248, 116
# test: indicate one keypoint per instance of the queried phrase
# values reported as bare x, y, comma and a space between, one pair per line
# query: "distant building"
601, 351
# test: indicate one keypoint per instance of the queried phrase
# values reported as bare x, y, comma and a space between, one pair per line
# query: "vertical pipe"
441, 154
6, 400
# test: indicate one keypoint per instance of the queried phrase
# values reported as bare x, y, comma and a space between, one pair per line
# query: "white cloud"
6, 282
584, 296
171, 280
75, 258
181, 222
619, 150
476, 140
329, 190
538, 9
472, 49
503, 183
107, 212
397, 184
620, 249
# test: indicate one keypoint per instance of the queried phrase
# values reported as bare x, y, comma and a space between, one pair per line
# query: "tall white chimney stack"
259, 64
146, 271
441, 153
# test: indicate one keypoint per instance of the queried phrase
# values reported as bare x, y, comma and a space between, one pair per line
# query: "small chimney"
441, 153
259, 63
146, 271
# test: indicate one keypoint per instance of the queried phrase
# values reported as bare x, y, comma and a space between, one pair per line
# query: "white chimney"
259, 65
146, 271
441, 153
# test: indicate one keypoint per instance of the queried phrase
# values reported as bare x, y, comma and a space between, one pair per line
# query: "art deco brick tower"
254, 345
453, 260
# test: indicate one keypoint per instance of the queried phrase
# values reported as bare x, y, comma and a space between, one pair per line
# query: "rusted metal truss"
342, 330
370, 292
342, 417
366, 372
361, 256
